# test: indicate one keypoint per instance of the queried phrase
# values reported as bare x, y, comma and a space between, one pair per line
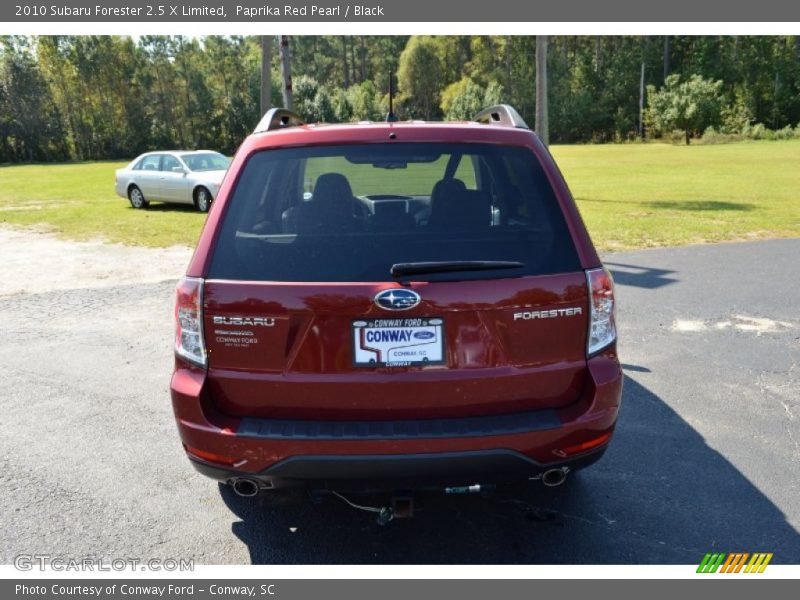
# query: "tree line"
112, 97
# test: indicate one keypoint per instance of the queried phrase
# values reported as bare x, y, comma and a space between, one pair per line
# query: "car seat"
454, 206
329, 210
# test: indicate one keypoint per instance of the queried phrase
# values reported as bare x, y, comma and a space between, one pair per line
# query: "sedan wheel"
203, 200
136, 198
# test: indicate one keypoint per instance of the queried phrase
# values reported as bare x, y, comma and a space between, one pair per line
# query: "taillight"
602, 329
189, 321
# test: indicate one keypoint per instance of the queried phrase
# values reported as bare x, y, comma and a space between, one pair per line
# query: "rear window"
348, 213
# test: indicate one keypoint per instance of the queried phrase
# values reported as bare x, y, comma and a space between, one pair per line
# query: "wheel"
136, 198
202, 199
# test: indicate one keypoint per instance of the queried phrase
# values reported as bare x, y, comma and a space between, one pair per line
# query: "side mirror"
178, 170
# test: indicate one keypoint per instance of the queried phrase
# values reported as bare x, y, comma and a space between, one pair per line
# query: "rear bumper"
398, 454
398, 471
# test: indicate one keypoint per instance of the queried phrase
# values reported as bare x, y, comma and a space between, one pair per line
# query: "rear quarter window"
348, 213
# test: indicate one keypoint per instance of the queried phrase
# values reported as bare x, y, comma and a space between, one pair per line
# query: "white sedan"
182, 177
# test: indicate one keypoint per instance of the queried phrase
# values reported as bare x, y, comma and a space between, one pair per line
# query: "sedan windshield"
205, 161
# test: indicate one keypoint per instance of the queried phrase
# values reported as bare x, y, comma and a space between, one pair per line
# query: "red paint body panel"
300, 366
202, 426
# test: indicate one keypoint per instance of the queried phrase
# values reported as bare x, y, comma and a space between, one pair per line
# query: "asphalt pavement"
706, 456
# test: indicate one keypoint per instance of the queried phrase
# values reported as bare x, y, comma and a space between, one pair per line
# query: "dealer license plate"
400, 342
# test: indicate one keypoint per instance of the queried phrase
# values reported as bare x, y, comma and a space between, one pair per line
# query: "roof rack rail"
278, 118
501, 114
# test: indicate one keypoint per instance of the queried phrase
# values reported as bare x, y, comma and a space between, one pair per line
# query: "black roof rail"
501, 114
278, 118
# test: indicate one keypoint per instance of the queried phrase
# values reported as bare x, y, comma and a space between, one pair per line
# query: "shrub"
676, 136
757, 131
312, 100
786, 133
735, 117
691, 105
462, 99
342, 109
365, 102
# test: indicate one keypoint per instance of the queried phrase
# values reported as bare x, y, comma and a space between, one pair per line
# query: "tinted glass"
169, 163
149, 163
348, 213
205, 161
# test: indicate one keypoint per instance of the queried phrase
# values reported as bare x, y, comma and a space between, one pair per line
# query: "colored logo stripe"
759, 561
710, 563
734, 562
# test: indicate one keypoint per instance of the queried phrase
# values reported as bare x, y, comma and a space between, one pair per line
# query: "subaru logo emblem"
397, 299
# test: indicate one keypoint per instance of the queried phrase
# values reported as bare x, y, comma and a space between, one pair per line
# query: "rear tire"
202, 199
136, 197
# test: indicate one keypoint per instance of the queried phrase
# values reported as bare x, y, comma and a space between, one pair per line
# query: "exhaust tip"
247, 488
555, 477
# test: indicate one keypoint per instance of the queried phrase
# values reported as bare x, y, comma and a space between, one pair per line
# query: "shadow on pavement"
643, 277
660, 495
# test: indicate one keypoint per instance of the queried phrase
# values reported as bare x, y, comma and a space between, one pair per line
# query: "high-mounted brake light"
189, 321
602, 328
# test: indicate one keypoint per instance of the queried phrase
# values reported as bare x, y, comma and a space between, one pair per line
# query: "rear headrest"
453, 205
447, 189
332, 187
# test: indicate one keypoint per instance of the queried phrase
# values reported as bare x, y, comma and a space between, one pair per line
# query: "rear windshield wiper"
450, 266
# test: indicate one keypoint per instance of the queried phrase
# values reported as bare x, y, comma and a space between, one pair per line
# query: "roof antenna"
391, 117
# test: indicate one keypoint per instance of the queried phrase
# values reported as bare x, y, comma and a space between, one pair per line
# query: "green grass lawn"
77, 201
642, 195
630, 196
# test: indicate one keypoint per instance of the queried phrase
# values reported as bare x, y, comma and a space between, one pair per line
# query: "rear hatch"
394, 281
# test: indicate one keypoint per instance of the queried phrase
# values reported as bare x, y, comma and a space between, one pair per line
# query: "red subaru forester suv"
394, 306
